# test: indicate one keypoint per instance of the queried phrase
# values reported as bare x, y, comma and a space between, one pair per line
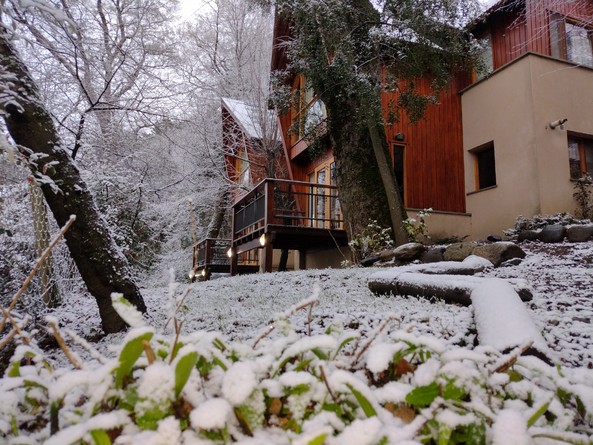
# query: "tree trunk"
218, 217
102, 266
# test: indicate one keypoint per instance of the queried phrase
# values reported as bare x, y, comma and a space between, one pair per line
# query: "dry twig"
40, 262
380, 329
69, 355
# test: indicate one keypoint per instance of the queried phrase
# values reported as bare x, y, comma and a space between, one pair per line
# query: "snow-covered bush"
540, 221
371, 239
333, 388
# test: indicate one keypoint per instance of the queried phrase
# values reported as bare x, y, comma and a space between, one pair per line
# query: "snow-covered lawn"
355, 369
561, 276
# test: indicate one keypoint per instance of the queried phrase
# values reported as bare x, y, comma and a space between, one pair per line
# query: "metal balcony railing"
281, 202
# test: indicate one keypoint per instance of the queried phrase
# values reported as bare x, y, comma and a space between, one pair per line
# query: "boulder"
433, 255
528, 235
552, 233
370, 260
498, 253
579, 234
408, 251
494, 238
459, 251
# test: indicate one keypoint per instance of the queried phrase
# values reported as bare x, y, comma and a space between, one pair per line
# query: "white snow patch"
238, 383
212, 414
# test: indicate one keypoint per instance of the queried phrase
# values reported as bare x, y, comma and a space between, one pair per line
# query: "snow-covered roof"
254, 122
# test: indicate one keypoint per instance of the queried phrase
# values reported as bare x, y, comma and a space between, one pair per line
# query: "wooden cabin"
506, 142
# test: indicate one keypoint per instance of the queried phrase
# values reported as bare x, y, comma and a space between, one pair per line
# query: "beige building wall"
513, 109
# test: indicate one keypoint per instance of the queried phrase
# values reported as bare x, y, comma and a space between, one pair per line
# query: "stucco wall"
513, 109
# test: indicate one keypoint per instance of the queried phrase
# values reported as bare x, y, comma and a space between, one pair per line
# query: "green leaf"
129, 355
318, 440
423, 396
297, 389
563, 395
14, 370
344, 343
581, 407
303, 365
531, 421
183, 370
445, 432
452, 392
366, 406
320, 354
514, 376
100, 437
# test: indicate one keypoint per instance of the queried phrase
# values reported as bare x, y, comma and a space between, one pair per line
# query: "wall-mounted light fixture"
400, 137
558, 124
229, 252
262, 240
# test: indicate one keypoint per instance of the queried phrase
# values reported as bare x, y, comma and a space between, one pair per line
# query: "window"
399, 168
244, 168
484, 166
580, 157
324, 210
571, 41
308, 110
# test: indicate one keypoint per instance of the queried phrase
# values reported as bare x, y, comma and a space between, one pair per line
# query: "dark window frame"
559, 41
583, 165
484, 166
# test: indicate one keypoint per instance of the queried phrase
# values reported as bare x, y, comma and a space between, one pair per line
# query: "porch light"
191, 274
229, 252
400, 137
203, 272
262, 240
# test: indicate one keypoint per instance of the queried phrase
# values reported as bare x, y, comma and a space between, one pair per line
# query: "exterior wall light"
203, 272
559, 123
229, 252
400, 137
191, 274
262, 240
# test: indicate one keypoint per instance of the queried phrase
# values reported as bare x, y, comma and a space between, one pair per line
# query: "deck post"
268, 256
302, 259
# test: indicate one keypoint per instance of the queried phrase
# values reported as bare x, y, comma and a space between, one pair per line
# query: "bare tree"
102, 266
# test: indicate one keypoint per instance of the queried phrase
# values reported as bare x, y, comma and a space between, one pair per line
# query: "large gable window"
308, 110
580, 157
571, 41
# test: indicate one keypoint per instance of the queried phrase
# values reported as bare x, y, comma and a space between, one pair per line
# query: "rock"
579, 234
370, 260
494, 238
432, 255
499, 252
459, 251
528, 235
408, 251
386, 255
553, 233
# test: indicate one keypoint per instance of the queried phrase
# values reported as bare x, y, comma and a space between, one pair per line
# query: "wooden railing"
285, 203
211, 252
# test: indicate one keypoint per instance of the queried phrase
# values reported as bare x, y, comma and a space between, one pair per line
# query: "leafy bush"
417, 228
372, 238
292, 389
583, 194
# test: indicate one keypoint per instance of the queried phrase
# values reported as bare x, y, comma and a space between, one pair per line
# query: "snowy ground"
242, 307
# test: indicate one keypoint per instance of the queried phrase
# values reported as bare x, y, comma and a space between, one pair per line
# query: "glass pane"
486, 168
321, 198
578, 45
574, 159
486, 57
589, 156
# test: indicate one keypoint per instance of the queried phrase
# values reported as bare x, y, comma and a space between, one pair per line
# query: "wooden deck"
281, 214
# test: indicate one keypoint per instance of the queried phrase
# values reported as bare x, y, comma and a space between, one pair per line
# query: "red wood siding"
521, 29
434, 176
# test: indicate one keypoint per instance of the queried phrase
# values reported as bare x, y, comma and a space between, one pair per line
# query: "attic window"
308, 110
484, 166
571, 41
486, 64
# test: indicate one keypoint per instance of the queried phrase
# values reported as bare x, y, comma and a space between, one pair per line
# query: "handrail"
283, 202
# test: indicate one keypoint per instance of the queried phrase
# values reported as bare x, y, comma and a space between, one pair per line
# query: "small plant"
417, 228
373, 238
583, 194
538, 222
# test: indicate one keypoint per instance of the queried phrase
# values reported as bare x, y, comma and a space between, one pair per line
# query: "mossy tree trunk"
102, 266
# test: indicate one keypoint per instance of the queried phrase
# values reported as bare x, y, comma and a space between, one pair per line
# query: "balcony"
210, 256
281, 214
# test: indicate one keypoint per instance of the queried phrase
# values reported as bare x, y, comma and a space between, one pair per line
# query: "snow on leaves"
200, 389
